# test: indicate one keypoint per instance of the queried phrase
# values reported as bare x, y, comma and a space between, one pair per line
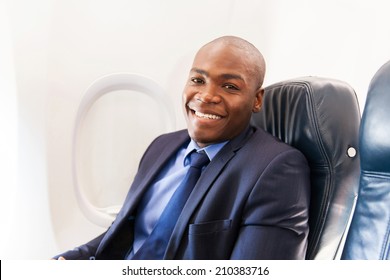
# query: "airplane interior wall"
86, 85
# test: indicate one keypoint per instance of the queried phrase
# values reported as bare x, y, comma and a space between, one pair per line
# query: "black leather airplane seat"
369, 234
321, 118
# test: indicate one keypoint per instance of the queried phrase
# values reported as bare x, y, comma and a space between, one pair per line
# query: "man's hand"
59, 259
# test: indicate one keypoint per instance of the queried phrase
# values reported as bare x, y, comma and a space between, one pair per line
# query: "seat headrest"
321, 118
375, 127
369, 234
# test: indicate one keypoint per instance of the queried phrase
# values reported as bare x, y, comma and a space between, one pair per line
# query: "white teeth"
207, 116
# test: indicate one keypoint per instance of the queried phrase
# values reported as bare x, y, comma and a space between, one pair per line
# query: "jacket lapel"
209, 175
138, 188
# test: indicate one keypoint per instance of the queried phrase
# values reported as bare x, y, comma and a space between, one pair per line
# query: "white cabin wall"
9, 133
29, 233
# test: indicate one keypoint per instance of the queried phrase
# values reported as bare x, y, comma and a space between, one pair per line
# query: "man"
250, 202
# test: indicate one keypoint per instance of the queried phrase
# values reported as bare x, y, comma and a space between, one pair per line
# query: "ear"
258, 100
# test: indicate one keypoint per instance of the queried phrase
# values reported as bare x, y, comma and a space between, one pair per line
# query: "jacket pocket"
209, 227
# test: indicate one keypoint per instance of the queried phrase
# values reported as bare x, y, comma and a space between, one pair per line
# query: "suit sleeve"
83, 252
275, 221
89, 250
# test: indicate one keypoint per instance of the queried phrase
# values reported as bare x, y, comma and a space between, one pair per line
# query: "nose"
209, 95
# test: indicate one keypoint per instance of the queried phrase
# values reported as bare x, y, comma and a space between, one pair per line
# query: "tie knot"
198, 160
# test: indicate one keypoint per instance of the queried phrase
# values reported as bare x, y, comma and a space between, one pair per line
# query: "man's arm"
275, 221
83, 252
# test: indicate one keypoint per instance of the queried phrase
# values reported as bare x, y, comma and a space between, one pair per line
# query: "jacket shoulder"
268, 145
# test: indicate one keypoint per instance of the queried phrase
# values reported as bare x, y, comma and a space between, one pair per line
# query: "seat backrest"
369, 234
321, 118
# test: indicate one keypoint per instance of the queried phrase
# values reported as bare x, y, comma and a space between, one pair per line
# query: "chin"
198, 138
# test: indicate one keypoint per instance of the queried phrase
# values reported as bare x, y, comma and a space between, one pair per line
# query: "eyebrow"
226, 76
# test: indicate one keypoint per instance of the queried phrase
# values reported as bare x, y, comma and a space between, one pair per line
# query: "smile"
207, 116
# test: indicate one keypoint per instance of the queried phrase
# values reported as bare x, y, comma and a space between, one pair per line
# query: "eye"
197, 81
230, 87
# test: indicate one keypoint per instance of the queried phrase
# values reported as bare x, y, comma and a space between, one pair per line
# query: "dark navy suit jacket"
251, 202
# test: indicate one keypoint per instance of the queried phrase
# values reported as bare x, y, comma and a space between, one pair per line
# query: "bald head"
247, 50
223, 90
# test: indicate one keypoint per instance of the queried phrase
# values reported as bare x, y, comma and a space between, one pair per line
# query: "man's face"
220, 95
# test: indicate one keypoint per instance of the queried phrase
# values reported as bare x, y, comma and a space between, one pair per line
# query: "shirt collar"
210, 150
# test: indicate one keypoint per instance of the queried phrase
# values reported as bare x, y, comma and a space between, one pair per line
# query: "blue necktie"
155, 245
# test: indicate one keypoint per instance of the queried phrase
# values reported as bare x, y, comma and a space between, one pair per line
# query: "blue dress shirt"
158, 195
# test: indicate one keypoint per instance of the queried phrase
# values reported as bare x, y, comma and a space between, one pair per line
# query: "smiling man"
252, 197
